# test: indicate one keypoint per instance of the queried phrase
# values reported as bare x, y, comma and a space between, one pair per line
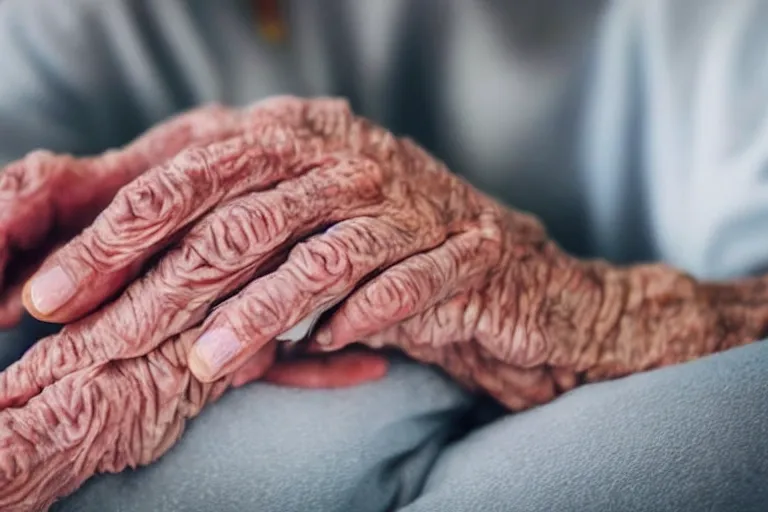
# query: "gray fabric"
276, 449
687, 438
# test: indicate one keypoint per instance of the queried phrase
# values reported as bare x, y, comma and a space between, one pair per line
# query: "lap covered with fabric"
687, 438
263, 447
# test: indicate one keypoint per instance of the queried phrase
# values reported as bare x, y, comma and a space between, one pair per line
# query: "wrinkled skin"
123, 414
101, 419
300, 204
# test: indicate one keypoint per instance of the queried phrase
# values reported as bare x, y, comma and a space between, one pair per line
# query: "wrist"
647, 316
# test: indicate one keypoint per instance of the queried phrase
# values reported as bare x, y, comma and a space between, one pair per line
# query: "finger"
334, 371
47, 447
11, 304
149, 212
217, 256
44, 190
410, 288
11, 307
255, 367
317, 274
105, 418
273, 138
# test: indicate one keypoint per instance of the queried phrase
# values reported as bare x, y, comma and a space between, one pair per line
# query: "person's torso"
493, 88
534, 102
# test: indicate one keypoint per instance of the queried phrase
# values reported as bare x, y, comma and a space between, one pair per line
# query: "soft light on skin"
218, 347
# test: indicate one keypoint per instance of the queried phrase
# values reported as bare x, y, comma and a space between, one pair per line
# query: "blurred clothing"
636, 129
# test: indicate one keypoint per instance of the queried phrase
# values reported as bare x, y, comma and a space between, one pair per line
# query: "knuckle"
191, 172
156, 203
231, 237
261, 220
260, 313
26, 176
136, 320
322, 260
392, 296
364, 178
344, 178
142, 207
192, 264
366, 239
328, 117
269, 152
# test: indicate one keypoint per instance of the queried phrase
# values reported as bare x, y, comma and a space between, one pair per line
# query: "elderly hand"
46, 199
417, 258
103, 419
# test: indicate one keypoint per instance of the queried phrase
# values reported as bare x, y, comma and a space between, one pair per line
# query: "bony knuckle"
195, 257
229, 235
328, 117
261, 220
365, 177
262, 312
393, 296
191, 172
32, 172
322, 260
144, 204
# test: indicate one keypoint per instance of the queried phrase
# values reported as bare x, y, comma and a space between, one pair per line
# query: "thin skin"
127, 413
47, 198
305, 203
105, 418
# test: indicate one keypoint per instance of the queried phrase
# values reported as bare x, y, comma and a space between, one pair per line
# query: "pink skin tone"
229, 228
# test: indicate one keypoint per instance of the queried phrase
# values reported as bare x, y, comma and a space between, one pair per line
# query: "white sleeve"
681, 96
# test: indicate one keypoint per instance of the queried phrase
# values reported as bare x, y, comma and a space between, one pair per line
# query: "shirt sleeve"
680, 99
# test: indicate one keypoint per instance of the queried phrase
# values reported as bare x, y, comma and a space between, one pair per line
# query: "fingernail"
323, 337
216, 348
51, 290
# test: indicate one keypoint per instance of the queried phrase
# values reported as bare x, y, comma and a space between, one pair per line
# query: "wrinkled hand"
418, 259
46, 199
106, 418
103, 418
